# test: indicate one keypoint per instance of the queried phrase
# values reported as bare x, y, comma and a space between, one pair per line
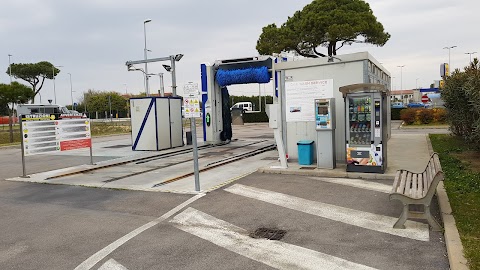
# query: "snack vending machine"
366, 132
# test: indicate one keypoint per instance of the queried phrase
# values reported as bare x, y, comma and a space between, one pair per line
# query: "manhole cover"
267, 233
118, 146
307, 168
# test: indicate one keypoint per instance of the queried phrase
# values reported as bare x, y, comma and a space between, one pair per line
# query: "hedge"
396, 113
423, 116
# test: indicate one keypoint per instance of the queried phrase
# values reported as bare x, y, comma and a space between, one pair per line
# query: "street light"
147, 91
449, 48
470, 53
401, 81
162, 87
71, 89
10, 67
54, 91
171, 68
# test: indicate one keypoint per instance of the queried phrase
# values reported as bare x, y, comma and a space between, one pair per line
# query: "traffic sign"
425, 98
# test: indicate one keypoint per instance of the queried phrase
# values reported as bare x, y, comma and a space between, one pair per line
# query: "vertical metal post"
91, 151
147, 91
193, 128
110, 106
71, 89
10, 66
54, 91
162, 85
24, 170
174, 77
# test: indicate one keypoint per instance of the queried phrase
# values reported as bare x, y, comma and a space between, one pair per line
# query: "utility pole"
10, 67
401, 80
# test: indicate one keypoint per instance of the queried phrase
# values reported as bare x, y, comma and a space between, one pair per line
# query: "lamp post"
401, 80
147, 91
470, 53
54, 91
172, 69
449, 48
162, 86
126, 97
10, 67
71, 89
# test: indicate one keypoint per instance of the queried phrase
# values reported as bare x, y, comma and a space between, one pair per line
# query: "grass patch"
462, 182
5, 138
110, 128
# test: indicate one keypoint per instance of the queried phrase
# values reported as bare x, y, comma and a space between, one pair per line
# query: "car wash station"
327, 114
326, 111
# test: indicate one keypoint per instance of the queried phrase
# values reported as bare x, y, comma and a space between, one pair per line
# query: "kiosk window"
322, 110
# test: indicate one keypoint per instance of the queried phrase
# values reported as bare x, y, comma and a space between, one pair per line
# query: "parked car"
416, 105
398, 105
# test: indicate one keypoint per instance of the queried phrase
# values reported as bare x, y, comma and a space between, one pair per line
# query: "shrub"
255, 117
396, 113
425, 116
408, 115
439, 115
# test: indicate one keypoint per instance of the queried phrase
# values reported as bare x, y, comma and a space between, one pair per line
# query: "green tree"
11, 94
324, 23
34, 73
461, 95
98, 101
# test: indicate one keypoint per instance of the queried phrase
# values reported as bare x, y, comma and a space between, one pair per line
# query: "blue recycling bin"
305, 152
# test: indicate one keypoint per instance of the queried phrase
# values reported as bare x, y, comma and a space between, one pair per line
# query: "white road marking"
276, 254
384, 224
100, 255
112, 265
357, 183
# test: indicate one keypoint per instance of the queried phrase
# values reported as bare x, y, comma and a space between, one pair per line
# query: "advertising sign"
44, 136
300, 97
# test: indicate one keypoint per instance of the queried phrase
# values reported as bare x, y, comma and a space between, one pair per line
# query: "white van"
245, 106
23, 109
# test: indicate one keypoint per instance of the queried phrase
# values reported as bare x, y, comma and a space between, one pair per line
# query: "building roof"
401, 92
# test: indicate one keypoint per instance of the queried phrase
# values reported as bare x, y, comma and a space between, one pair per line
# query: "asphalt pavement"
317, 223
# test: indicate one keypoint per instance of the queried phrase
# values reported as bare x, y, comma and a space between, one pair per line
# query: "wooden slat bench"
417, 189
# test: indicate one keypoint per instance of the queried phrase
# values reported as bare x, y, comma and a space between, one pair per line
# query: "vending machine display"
365, 138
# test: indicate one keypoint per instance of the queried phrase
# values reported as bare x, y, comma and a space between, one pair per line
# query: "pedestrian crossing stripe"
276, 254
414, 230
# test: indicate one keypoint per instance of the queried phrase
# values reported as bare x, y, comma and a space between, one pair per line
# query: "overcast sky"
92, 39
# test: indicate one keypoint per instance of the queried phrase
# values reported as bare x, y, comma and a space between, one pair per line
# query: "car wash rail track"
212, 156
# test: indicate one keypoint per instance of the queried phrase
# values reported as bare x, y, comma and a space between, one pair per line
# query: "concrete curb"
453, 242
337, 173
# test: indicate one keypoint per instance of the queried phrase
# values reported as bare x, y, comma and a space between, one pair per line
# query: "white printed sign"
300, 98
41, 137
191, 101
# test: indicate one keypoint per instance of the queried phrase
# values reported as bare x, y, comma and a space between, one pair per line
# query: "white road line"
384, 224
276, 254
357, 183
100, 255
112, 265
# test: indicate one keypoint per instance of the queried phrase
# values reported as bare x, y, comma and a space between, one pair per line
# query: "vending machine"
366, 131
325, 127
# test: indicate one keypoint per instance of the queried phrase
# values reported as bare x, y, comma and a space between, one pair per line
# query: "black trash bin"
189, 137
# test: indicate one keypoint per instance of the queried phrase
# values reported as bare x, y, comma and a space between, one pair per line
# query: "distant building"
405, 96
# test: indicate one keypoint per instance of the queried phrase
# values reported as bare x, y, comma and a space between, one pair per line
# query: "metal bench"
417, 189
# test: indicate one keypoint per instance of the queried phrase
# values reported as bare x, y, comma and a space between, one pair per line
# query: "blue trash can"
305, 152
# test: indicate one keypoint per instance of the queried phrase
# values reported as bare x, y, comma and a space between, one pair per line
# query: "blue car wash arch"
216, 78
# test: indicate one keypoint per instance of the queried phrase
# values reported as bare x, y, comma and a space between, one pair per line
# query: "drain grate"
268, 233
270, 158
307, 168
